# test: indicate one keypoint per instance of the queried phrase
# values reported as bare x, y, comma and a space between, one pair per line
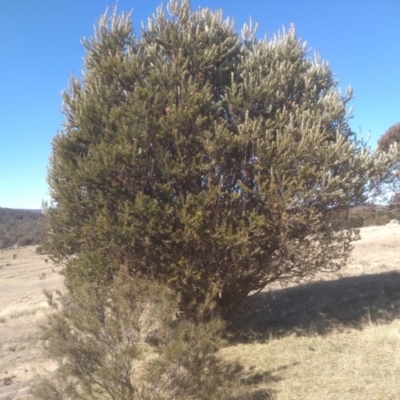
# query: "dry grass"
22, 304
13, 347
334, 338
337, 337
352, 364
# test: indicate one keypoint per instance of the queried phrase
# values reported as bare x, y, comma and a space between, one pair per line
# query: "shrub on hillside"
384, 216
373, 215
4, 242
205, 159
355, 221
126, 342
25, 241
39, 250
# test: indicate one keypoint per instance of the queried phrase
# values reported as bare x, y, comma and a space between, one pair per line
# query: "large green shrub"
125, 342
205, 159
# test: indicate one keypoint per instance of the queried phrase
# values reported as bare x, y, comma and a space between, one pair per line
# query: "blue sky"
40, 47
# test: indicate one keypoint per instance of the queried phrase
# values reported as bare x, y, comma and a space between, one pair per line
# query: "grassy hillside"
20, 227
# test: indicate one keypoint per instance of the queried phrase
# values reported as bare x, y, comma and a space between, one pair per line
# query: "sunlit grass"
353, 364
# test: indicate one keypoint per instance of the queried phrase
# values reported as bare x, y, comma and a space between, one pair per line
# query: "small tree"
391, 191
125, 342
207, 160
391, 136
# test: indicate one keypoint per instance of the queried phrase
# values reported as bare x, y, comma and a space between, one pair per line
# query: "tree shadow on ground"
318, 308
249, 383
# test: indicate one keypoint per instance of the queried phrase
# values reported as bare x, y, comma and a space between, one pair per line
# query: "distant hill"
21, 227
374, 214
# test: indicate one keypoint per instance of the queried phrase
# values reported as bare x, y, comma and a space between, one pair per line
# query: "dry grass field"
337, 337
23, 277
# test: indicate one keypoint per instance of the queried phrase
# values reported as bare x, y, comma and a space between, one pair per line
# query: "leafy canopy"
204, 158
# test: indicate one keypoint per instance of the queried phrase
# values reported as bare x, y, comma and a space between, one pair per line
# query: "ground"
337, 337
23, 277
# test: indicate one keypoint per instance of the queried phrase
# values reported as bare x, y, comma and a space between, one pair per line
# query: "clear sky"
40, 47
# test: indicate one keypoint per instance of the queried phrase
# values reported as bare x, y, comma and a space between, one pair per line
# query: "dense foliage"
205, 159
125, 342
